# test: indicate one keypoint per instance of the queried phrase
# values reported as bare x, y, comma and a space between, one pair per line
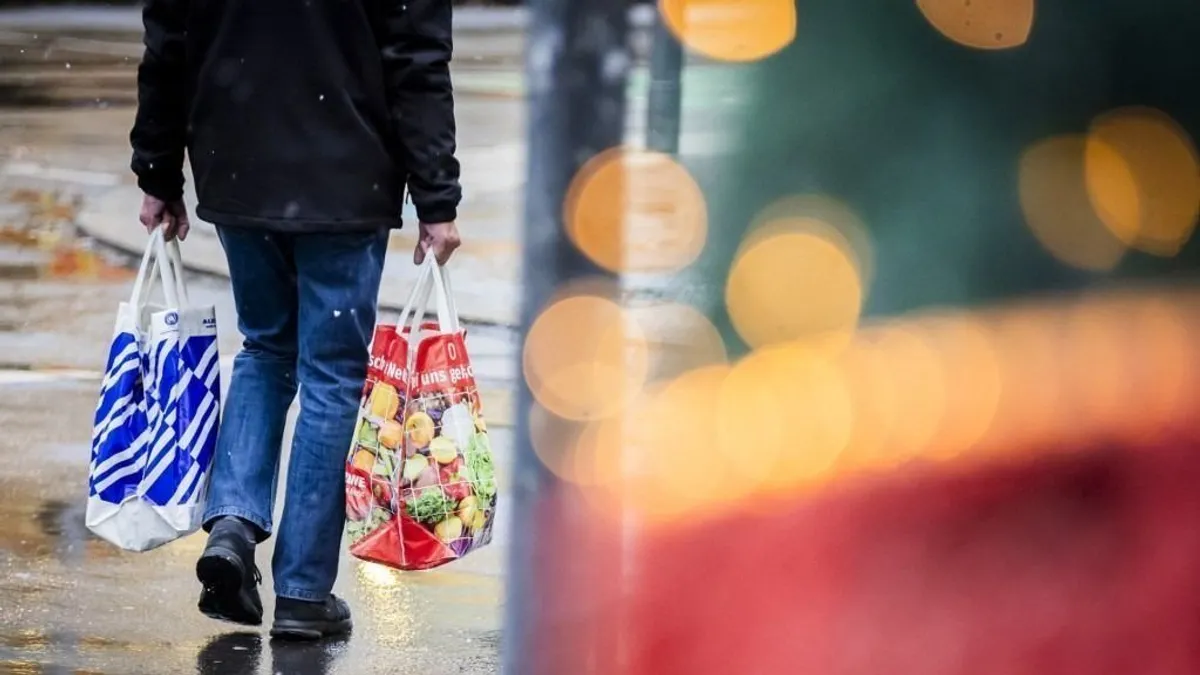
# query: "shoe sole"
224, 598
308, 631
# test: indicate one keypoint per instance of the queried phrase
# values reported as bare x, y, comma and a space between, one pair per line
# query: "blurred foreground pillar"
577, 62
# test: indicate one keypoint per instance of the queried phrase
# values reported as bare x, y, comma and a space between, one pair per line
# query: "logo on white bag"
171, 319
210, 322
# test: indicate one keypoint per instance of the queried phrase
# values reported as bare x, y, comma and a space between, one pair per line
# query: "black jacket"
299, 115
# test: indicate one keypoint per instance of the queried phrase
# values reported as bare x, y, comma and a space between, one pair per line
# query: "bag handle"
173, 249
166, 266
430, 281
156, 259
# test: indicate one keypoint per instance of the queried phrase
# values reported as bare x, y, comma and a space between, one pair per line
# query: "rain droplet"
68, 65
337, 313
321, 97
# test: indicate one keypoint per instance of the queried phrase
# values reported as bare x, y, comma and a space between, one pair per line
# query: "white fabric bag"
156, 423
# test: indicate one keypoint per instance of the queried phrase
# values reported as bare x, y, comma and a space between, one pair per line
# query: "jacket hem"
297, 225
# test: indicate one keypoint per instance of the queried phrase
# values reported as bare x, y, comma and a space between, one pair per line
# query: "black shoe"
300, 620
230, 577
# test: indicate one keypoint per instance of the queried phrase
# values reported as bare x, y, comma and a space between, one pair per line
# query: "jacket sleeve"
417, 49
159, 134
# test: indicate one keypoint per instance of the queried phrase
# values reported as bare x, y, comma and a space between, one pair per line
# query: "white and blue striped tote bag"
156, 423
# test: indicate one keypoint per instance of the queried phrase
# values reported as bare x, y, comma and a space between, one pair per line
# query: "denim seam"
300, 594
218, 512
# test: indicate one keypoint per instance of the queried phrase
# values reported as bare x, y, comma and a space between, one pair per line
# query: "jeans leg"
338, 278
246, 467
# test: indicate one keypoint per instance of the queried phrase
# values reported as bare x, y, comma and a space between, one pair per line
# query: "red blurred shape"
1084, 563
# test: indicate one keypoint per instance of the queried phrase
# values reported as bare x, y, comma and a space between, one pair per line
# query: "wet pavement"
70, 603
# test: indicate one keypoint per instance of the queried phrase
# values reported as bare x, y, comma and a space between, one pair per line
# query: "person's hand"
440, 239
172, 216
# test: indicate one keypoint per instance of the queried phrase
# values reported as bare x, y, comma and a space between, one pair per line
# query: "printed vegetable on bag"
420, 481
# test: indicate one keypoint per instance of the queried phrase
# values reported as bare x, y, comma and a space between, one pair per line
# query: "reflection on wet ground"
73, 604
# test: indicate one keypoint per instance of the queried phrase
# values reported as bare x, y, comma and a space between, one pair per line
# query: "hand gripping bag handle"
430, 280
155, 259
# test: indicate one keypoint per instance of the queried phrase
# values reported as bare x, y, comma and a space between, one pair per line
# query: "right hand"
172, 216
440, 239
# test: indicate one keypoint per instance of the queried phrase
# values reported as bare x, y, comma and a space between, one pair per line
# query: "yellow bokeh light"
822, 216
813, 401
636, 211
584, 358
731, 30
1031, 388
795, 286
680, 338
1058, 208
915, 366
1155, 206
970, 366
1162, 378
754, 420
675, 467
981, 24
876, 399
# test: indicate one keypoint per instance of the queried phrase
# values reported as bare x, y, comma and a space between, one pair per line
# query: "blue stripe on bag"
185, 440
121, 429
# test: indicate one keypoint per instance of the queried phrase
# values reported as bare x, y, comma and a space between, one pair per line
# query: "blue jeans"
306, 306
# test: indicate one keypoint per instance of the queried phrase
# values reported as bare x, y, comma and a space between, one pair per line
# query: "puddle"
35, 527
38, 241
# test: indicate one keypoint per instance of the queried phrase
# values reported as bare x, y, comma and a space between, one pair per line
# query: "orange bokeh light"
795, 285
636, 211
981, 24
679, 337
1058, 207
1154, 205
584, 358
731, 30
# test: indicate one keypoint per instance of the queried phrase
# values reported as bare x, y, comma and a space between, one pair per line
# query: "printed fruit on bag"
449, 529
467, 509
427, 479
364, 459
413, 468
367, 435
443, 450
385, 402
382, 493
458, 425
420, 429
391, 434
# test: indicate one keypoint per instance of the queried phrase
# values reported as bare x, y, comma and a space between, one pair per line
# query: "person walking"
305, 125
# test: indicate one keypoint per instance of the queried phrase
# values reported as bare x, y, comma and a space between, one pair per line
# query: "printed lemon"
413, 468
420, 429
479, 521
391, 434
364, 459
449, 529
443, 450
385, 401
467, 509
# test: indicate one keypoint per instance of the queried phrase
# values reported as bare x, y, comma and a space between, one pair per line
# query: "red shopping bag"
420, 483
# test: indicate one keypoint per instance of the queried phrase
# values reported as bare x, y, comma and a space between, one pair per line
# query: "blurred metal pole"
577, 63
666, 90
